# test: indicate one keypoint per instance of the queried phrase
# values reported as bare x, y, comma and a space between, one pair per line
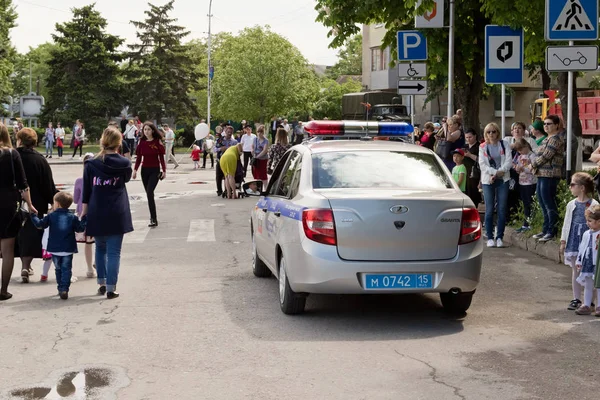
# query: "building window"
509, 102
379, 59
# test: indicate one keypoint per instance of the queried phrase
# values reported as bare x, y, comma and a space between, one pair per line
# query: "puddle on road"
84, 384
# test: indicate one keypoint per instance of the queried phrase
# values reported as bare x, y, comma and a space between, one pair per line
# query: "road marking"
202, 230
140, 231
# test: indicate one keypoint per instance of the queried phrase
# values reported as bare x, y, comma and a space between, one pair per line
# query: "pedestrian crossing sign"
571, 20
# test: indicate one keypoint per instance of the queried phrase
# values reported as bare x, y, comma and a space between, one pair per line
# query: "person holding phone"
151, 157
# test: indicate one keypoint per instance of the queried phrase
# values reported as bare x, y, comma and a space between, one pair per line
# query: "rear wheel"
456, 303
259, 268
290, 301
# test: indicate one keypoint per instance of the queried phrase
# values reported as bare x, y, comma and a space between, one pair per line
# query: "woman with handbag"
450, 138
13, 188
260, 156
77, 140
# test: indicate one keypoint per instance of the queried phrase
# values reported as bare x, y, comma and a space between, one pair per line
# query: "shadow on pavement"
50, 302
253, 304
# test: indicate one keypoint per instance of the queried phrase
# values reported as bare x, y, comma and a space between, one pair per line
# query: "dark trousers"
219, 178
131, 144
546, 194
247, 157
80, 147
150, 181
212, 159
527, 192
60, 151
63, 266
473, 190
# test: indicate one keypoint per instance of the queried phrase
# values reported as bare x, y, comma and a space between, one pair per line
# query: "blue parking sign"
571, 20
412, 46
503, 55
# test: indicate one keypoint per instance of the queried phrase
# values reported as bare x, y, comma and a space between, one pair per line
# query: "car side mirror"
253, 188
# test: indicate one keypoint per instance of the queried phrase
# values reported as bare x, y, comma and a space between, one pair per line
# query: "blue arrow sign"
571, 19
503, 55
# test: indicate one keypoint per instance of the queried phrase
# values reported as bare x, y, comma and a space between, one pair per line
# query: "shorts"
81, 237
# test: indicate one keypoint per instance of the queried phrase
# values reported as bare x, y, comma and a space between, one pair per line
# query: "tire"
291, 303
259, 268
456, 303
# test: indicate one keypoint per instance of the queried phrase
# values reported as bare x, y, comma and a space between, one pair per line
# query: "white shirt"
247, 142
130, 131
60, 132
169, 136
286, 127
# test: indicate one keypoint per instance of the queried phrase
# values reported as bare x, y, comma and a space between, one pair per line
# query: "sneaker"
43, 278
25, 276
597, 312
102, 290
64, 295
523, 229
177, 166
583, 310
112, 295
574, 304
491, 243
539, 235
499, 243
546, 238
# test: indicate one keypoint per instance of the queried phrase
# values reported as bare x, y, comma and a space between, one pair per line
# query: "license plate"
398, 281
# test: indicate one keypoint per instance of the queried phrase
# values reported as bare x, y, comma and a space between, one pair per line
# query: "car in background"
363, 217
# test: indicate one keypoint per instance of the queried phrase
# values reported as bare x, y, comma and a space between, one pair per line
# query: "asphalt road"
193, 322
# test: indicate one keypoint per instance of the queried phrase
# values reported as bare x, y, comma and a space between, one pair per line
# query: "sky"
293, 19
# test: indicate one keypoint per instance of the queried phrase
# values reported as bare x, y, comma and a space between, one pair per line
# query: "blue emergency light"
358, 128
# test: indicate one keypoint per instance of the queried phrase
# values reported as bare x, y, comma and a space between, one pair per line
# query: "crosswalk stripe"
140, 231
202, 230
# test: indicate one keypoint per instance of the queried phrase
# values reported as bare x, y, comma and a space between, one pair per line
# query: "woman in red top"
151, 156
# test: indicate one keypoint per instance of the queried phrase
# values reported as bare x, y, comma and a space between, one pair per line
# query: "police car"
365, 216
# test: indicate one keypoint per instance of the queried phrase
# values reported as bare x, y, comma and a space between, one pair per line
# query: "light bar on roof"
358, 128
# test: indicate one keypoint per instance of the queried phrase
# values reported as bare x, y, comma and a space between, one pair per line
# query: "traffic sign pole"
569, 121
451, 62
503, 123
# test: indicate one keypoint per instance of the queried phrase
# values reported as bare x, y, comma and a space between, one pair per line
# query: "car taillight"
470, 230
319, 226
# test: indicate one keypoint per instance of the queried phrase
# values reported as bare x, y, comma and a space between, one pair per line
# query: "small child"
61, 239
574, 226
82, 237
459, 172
527, 179
196, 156
586, 260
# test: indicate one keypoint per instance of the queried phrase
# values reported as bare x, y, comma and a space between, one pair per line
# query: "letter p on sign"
412, 46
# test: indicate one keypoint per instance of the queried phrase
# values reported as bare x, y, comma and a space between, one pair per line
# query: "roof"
327, 146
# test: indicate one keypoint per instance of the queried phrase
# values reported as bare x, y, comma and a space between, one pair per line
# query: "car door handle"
277, 213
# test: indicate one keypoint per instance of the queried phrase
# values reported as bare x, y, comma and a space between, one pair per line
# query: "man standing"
129, 134
223, 144
298, 135
124, 123
247, 141
169, 143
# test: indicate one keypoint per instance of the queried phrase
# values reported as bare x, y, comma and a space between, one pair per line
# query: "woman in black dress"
13, 187
42, 189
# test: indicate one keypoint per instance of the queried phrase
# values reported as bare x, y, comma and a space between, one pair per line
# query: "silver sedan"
349, 216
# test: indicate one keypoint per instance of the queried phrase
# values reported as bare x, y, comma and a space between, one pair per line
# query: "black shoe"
112, 295
102, 290
64, 295
153, 223
219, 194
574, 304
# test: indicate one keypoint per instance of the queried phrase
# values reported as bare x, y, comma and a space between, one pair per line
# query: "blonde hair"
521, 144
260, 129
486, 134
4, 137
282, 137
111, 140
593, 212
28, 137
584, 179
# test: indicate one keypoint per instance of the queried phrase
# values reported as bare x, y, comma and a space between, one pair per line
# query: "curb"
549, 250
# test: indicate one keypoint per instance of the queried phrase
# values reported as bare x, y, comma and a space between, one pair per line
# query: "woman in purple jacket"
106, 204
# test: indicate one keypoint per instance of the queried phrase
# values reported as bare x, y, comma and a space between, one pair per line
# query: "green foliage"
259, 74
595, 82
83, 82
40, 57
329, 102
350, 59
160, 71
8, 17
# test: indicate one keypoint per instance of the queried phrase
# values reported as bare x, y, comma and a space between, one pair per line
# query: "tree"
260, 74
329, 102
39, 57
83, 82
8, 17
350, 59
161, 71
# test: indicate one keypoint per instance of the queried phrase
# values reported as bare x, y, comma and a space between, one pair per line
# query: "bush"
563, 197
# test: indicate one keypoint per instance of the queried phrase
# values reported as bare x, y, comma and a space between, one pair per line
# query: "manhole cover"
198, 183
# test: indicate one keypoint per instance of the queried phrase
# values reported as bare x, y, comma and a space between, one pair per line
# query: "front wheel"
259, 268
290, 302
456, 303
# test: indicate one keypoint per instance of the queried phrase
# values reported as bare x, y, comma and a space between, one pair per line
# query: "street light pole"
209, 66
451, 62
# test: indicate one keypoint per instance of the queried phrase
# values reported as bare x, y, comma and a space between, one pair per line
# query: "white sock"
588, 293
576, 286
46, 267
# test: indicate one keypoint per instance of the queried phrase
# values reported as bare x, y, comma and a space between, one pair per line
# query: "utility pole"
451, 62
209, 65
30, 81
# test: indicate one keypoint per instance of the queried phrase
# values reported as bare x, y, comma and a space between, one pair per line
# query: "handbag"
443, 149
20, 214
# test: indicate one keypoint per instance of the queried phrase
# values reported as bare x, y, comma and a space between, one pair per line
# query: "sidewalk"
549, 250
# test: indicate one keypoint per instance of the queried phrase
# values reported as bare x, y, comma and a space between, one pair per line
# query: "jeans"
497, 192
60, 151
247, 157
212, 158
108, 260
546, 194
150, 181
49, 148
169, 154
131, 144
63, 266
527, 192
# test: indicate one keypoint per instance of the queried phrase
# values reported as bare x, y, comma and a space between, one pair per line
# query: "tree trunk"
468, 99
563, 87
546, 79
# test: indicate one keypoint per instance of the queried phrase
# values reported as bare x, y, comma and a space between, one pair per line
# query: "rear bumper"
317, 268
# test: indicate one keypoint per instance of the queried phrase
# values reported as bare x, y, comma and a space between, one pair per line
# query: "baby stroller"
239, 181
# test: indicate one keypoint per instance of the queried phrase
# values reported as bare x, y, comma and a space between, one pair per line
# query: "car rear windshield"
378, 169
